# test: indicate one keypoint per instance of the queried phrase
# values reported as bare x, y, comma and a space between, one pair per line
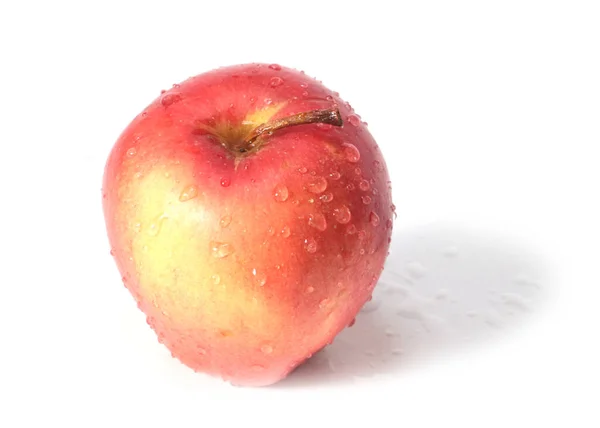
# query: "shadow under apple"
444, 288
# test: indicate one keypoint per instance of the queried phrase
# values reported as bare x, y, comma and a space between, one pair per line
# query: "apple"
249, 212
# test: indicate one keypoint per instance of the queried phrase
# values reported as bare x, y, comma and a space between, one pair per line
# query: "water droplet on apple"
271, 231
225, 220
302, 170
155, 226
220, 249
225, 182
342, 214
266, 349
281, 193
353, 119
112, 252
374, 219
201, 350
362, 234
366, 200
285, 231
350, 187
364, 185
215, 279
335, 175
170, 99
324, 304
257, 368
326, 197
329, 98
190, 192
260, 278
351, 229
268, 101
131, 152
275, 67
310, 245
317, 221
351, 153
310, 289
317, 185
352, 322
357, 171
305, 93
275, 81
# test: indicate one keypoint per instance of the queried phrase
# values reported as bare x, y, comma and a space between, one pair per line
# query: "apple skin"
247, 264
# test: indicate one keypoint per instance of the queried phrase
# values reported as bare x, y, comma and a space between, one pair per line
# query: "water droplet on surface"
225, 182
317, 221
351, 229
329, 98
275, 67
271, 231
201, 351
131, 152
112, 252
268, 101
325, 126
370, 306
515, 300
354, 120
281, 193
364, 185
170, 99
357, 171
266, 349
366, 200
362, 234
309, 289
285, 231
260, 278
324, 303
335, 175
310, 245
317, 185
442, 294
220, 250
327, 197
451, 251
225, 220
302, 170
215, 279
374, 219
190, 192
389, 223
275, 81
351, 153
342, 214
415, 269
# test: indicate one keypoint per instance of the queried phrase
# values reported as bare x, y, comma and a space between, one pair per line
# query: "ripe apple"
249, 212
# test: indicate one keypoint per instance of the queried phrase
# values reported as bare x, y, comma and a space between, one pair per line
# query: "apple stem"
327, 116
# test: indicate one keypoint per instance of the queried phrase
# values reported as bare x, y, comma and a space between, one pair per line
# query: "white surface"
488, 114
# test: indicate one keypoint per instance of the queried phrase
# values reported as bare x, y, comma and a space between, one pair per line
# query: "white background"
488, 115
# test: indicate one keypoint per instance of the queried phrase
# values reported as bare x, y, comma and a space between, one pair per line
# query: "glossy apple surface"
248, 253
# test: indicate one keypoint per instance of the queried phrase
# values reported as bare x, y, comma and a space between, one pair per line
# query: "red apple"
249, 212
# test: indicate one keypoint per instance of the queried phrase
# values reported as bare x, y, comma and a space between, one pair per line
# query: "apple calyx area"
253, 141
